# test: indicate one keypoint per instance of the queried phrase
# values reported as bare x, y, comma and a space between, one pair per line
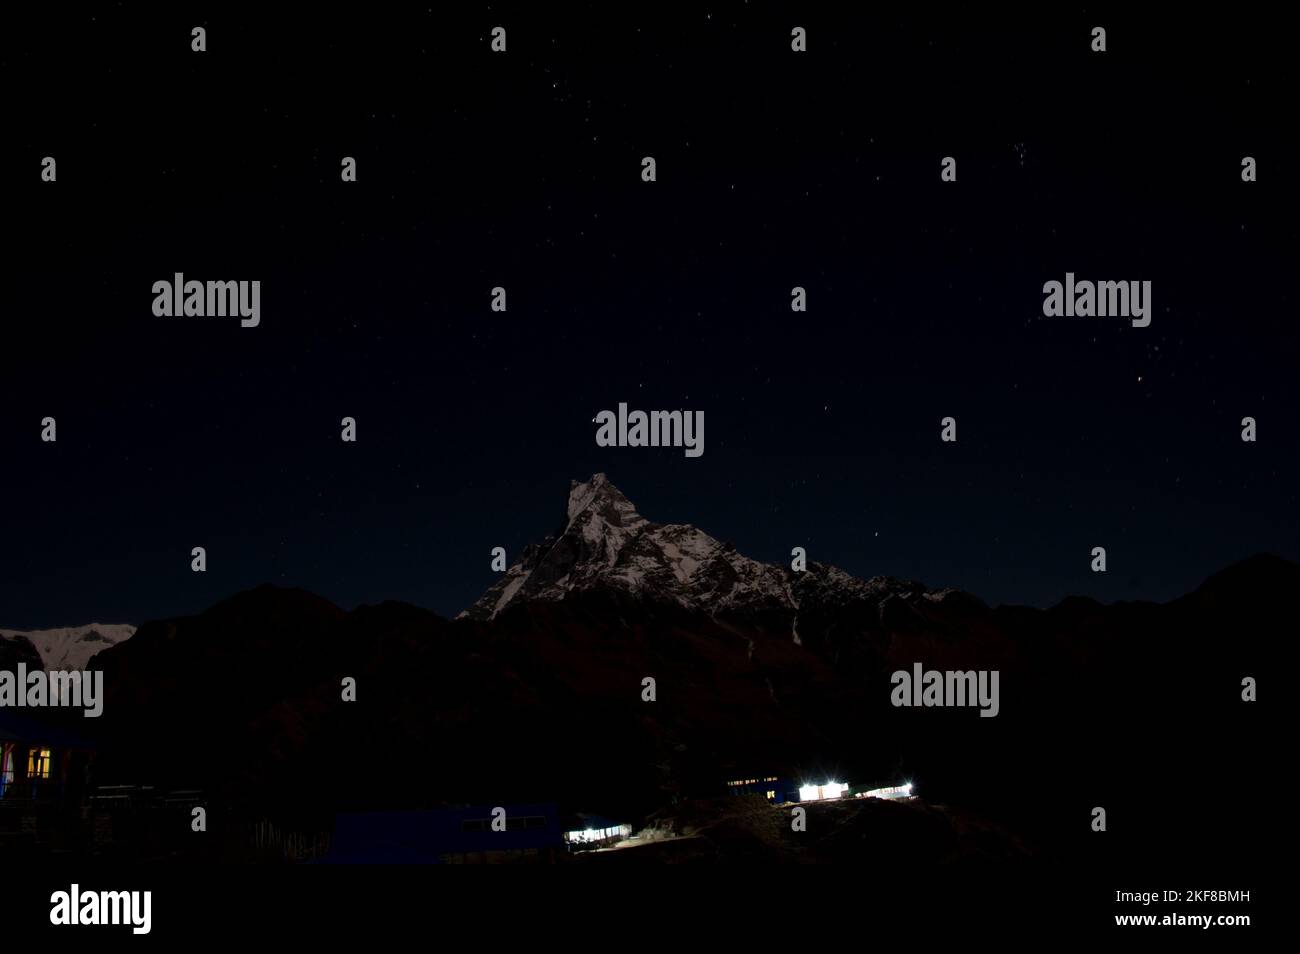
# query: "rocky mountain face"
605, 545
68, 648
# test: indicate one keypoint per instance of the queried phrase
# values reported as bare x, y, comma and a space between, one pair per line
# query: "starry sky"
522, 169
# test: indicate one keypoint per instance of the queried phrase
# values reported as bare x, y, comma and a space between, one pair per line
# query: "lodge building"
39, 762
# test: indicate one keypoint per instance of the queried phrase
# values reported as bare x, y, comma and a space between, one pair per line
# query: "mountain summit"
606, 545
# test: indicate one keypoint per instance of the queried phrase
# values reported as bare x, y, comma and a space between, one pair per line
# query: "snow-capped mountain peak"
608, 500
606, 543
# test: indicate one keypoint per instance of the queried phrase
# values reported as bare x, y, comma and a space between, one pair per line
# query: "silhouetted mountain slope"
18, 648
537, 692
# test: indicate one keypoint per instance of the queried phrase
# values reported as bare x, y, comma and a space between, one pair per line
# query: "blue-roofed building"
460, 835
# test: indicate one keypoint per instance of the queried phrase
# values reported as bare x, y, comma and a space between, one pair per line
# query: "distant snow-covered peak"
71, 647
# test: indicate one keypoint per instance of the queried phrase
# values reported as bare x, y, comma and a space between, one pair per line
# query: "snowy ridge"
605, 543
71, 647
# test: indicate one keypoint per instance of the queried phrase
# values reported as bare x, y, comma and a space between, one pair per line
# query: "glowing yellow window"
771, 795
38, 763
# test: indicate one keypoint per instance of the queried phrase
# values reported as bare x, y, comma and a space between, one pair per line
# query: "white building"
814, 793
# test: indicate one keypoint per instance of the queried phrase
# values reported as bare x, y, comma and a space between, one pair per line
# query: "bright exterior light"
812, 793
896, 791
591, 835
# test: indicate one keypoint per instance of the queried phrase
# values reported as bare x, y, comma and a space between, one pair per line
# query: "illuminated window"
771, 795
38, 763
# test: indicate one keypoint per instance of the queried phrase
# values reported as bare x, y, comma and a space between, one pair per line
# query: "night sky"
522, 169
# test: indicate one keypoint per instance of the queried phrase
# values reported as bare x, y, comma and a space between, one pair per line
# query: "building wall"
63, 777
774, 789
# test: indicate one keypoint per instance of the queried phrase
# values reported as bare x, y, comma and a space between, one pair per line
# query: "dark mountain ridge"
758, 669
